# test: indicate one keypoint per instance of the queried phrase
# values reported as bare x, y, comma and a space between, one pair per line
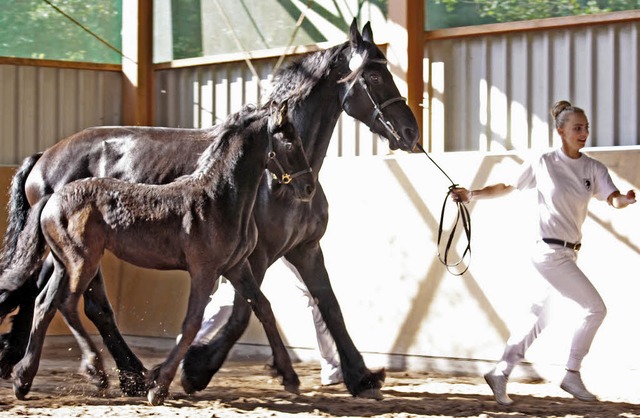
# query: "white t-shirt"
564, 186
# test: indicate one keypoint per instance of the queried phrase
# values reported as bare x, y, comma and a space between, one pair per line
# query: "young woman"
565, 180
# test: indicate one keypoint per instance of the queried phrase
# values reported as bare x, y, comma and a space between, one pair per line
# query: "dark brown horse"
202, 223
318, 88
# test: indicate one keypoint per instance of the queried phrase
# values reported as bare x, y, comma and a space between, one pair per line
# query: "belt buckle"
577, 246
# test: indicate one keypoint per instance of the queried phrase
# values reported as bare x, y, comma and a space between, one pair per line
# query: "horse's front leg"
245, 284
131, 371
309, 263
160, 377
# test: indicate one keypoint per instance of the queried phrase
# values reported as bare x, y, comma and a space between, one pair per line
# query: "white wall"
398, 299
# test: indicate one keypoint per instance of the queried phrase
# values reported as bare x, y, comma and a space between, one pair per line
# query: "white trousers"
557, 265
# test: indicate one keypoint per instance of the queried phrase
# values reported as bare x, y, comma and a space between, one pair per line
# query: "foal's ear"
367, 33
355, 39
279, 116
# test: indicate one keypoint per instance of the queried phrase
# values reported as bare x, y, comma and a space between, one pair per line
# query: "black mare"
202, 223
318, 88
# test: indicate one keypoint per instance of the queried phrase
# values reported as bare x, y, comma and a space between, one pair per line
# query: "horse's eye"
288, 146
375, 78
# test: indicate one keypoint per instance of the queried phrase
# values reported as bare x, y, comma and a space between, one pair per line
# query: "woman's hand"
460, 194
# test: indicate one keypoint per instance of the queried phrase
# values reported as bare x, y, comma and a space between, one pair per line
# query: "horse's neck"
317, 115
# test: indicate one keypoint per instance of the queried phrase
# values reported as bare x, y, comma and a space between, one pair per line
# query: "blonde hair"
561, 111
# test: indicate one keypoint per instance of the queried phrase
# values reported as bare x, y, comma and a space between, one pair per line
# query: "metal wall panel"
197, 97
41, 105
494, 92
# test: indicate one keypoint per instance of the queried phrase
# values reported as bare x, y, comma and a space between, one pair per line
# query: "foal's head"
287, 161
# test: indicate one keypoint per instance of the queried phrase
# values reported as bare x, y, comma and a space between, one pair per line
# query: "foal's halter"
377, 113
283, 177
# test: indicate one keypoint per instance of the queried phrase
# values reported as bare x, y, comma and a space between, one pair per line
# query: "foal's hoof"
21, 390
157, 395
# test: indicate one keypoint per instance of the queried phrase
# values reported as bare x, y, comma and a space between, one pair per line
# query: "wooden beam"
137, 63
406, 43
415, 57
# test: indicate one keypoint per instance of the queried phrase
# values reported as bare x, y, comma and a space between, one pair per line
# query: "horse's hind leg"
245, 284
45, 308
14, 343
92, 365
131, 371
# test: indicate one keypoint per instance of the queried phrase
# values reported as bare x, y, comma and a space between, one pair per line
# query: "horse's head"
370, 94
287, 160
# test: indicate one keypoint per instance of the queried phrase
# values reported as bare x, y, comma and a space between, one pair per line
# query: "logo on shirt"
587, 184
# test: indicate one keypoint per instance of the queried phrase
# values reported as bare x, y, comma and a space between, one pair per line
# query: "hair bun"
558, 107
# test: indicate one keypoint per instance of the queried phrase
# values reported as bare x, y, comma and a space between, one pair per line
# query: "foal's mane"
222, 155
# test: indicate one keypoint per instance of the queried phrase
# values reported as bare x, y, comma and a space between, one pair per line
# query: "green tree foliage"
513, 10
34, 29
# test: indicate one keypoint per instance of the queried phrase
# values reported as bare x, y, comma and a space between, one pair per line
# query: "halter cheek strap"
284, 178
377, 113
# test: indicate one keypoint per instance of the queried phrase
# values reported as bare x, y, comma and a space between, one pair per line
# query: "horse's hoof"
97, 377
156, 396
192, 384
21, 390
293, 388
132, 383
371, 393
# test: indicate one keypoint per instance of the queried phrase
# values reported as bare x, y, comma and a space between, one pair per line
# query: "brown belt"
575, 247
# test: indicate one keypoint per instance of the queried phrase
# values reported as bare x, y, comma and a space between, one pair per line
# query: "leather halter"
376, 113
283, 177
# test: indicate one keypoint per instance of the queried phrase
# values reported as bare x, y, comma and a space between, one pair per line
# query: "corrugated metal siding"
493, 93
41, 105
198, 97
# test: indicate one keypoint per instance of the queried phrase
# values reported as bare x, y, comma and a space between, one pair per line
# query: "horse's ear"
367, 33
355, 39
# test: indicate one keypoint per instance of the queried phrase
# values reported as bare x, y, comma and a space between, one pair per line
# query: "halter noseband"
377, 113
284, 177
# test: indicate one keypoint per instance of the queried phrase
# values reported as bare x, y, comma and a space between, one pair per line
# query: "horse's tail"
28, 257
18, 210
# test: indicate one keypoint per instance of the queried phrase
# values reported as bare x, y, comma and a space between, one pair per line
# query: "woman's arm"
460, 194
619, 201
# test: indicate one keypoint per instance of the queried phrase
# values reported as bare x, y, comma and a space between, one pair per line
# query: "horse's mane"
295, 81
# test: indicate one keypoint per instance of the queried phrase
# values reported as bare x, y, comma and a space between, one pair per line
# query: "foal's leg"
202, 361
45, 309
92, 365
98, 309
160, 377
360, 381
243, 281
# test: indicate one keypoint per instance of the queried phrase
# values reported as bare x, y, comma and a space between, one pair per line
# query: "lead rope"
462, 216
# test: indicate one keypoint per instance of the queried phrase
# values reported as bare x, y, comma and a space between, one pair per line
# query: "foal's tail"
28, 257
18, 209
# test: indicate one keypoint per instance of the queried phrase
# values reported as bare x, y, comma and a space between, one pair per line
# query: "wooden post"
137, 63
406, 18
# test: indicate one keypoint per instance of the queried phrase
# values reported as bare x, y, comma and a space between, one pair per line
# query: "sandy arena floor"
246, 389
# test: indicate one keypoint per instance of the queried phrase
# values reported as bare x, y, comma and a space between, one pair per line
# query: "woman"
565, 180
